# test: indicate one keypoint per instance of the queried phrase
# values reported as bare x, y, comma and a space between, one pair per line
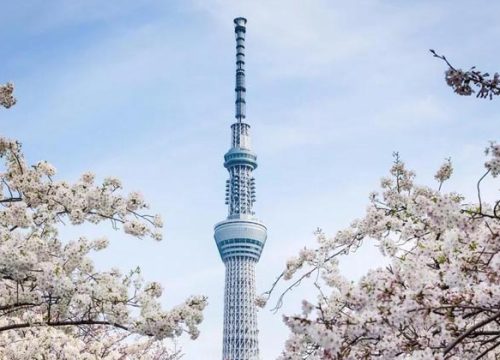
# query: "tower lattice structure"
241, 237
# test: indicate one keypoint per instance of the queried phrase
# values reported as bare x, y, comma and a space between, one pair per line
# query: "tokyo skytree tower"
241, 237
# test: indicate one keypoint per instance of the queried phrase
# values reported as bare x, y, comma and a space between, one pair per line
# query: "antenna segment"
240, 31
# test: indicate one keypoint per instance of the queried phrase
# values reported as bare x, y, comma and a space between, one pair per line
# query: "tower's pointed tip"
240, 21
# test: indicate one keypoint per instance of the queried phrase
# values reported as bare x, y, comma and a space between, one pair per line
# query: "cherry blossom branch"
17, 305
297, 282
12, 199
486, 351
478, 186
461, 80
470, 331
62, 323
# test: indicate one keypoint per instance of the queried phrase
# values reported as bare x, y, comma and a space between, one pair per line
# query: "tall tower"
241, 237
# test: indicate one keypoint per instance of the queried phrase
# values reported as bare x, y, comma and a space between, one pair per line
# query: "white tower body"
241, 237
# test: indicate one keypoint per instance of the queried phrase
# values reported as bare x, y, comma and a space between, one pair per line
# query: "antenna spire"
240, 89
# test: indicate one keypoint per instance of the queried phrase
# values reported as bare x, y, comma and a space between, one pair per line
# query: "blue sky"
143, 90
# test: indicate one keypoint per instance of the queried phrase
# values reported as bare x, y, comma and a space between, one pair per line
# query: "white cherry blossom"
439, 297
54, 304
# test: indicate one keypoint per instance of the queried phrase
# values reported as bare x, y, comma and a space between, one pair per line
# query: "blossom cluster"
6, 98
463, 82
444, 172
439, 297
53, 302
493, 164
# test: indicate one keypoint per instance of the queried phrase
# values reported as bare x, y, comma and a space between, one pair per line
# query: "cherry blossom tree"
439, 297
54, 303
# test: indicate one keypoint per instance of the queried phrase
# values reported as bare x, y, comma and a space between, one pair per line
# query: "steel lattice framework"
241, 237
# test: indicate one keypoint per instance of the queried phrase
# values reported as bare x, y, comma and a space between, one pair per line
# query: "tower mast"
241, 237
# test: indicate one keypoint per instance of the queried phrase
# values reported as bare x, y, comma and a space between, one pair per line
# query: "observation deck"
240, 156
242, 236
